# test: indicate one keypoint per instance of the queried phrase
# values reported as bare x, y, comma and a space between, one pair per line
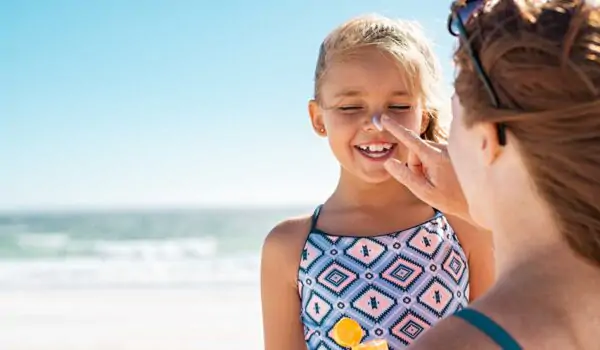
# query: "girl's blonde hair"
402, 40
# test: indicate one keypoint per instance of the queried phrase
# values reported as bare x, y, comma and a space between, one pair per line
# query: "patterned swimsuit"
395, 285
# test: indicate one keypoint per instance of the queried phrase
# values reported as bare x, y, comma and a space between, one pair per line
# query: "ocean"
129, 249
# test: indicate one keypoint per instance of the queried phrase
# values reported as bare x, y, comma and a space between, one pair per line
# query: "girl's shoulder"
471, 237
289, 233
282, 248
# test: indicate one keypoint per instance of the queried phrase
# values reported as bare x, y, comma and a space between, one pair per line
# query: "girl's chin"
375, 178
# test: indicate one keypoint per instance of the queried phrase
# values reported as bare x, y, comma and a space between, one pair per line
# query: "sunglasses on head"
461, 12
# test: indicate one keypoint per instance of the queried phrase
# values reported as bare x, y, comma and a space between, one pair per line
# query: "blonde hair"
405, 42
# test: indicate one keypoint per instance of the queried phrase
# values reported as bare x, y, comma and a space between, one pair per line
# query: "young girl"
372, 252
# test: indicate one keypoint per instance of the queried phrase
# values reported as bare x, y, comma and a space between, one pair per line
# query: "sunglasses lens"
464, 13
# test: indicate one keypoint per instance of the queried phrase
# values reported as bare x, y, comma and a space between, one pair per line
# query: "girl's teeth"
377, 155
376, 148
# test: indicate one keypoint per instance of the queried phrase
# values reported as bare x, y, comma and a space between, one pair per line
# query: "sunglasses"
461, 12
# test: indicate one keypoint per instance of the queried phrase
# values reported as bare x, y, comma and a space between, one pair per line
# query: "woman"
525, 145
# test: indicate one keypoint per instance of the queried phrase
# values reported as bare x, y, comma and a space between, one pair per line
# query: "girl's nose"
373, 123
376, 121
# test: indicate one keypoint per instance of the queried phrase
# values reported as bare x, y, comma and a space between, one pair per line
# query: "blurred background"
146, 149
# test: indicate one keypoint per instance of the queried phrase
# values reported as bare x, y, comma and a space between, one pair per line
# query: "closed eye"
400, 107
349, 108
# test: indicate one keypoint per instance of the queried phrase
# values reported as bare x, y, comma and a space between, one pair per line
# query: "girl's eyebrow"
354, 93
350, 93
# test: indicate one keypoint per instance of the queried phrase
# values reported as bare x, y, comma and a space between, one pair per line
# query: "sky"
131, 103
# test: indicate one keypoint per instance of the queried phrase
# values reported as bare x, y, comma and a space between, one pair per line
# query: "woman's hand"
428, 172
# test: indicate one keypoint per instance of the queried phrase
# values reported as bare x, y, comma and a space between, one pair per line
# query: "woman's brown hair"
543, 59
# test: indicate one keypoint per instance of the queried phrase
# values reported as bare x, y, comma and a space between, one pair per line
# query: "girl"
373, 251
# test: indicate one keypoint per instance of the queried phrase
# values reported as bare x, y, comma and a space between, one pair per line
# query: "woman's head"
373, 65
543, 61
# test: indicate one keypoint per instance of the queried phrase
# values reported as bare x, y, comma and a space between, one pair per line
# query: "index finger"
407, 137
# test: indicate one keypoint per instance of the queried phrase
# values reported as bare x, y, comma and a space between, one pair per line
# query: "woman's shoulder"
452, 333
502, 322
462, 332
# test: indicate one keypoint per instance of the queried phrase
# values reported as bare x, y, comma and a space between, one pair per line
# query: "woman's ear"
488, 142
316, 118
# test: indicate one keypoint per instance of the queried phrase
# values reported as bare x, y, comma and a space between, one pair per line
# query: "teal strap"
315, 218
489, 328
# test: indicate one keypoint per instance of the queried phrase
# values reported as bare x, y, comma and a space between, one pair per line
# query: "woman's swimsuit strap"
490, 328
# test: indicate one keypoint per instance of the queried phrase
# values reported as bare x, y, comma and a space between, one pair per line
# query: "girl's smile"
377, 151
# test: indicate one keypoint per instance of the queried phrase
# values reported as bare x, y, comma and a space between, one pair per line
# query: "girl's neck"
354, 192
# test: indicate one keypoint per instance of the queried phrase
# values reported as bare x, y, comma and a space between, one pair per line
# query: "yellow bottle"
378, 344
348, 333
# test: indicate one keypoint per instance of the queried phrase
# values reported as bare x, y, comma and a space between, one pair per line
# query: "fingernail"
376, 119
393, 163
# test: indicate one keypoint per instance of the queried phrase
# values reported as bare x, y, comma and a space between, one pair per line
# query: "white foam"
148, 249
43, 240
95, 273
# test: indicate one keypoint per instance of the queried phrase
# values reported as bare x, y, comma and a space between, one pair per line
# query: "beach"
133, 280
218, 317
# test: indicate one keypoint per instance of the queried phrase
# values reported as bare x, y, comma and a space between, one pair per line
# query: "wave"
56, 260
58, 245
124, 249
94, 273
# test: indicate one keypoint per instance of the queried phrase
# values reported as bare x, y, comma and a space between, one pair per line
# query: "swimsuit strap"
314, 218
490, 328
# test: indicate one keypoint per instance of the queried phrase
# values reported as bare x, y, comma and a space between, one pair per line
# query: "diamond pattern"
323, 346
366, 251
402, 273
409, 327
426, 243
454, 265
395, 286
334, 239
436, 297
310, 254
373, 303
317, 307
337, 278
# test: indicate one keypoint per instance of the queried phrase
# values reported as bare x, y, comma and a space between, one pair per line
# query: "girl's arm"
479, 248
282, 325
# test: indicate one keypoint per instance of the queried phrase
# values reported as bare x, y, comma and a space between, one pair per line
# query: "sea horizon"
136, 208
122, 248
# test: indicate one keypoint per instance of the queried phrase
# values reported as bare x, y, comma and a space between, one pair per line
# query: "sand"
131, 319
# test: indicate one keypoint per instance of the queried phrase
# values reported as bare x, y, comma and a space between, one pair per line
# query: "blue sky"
170, 103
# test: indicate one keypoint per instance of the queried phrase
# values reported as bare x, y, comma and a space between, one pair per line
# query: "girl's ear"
316, 118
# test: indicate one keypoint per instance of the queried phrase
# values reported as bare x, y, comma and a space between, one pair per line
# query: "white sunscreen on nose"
376, 120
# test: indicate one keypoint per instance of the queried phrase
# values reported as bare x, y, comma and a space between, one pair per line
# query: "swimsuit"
395, 285
490, 328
